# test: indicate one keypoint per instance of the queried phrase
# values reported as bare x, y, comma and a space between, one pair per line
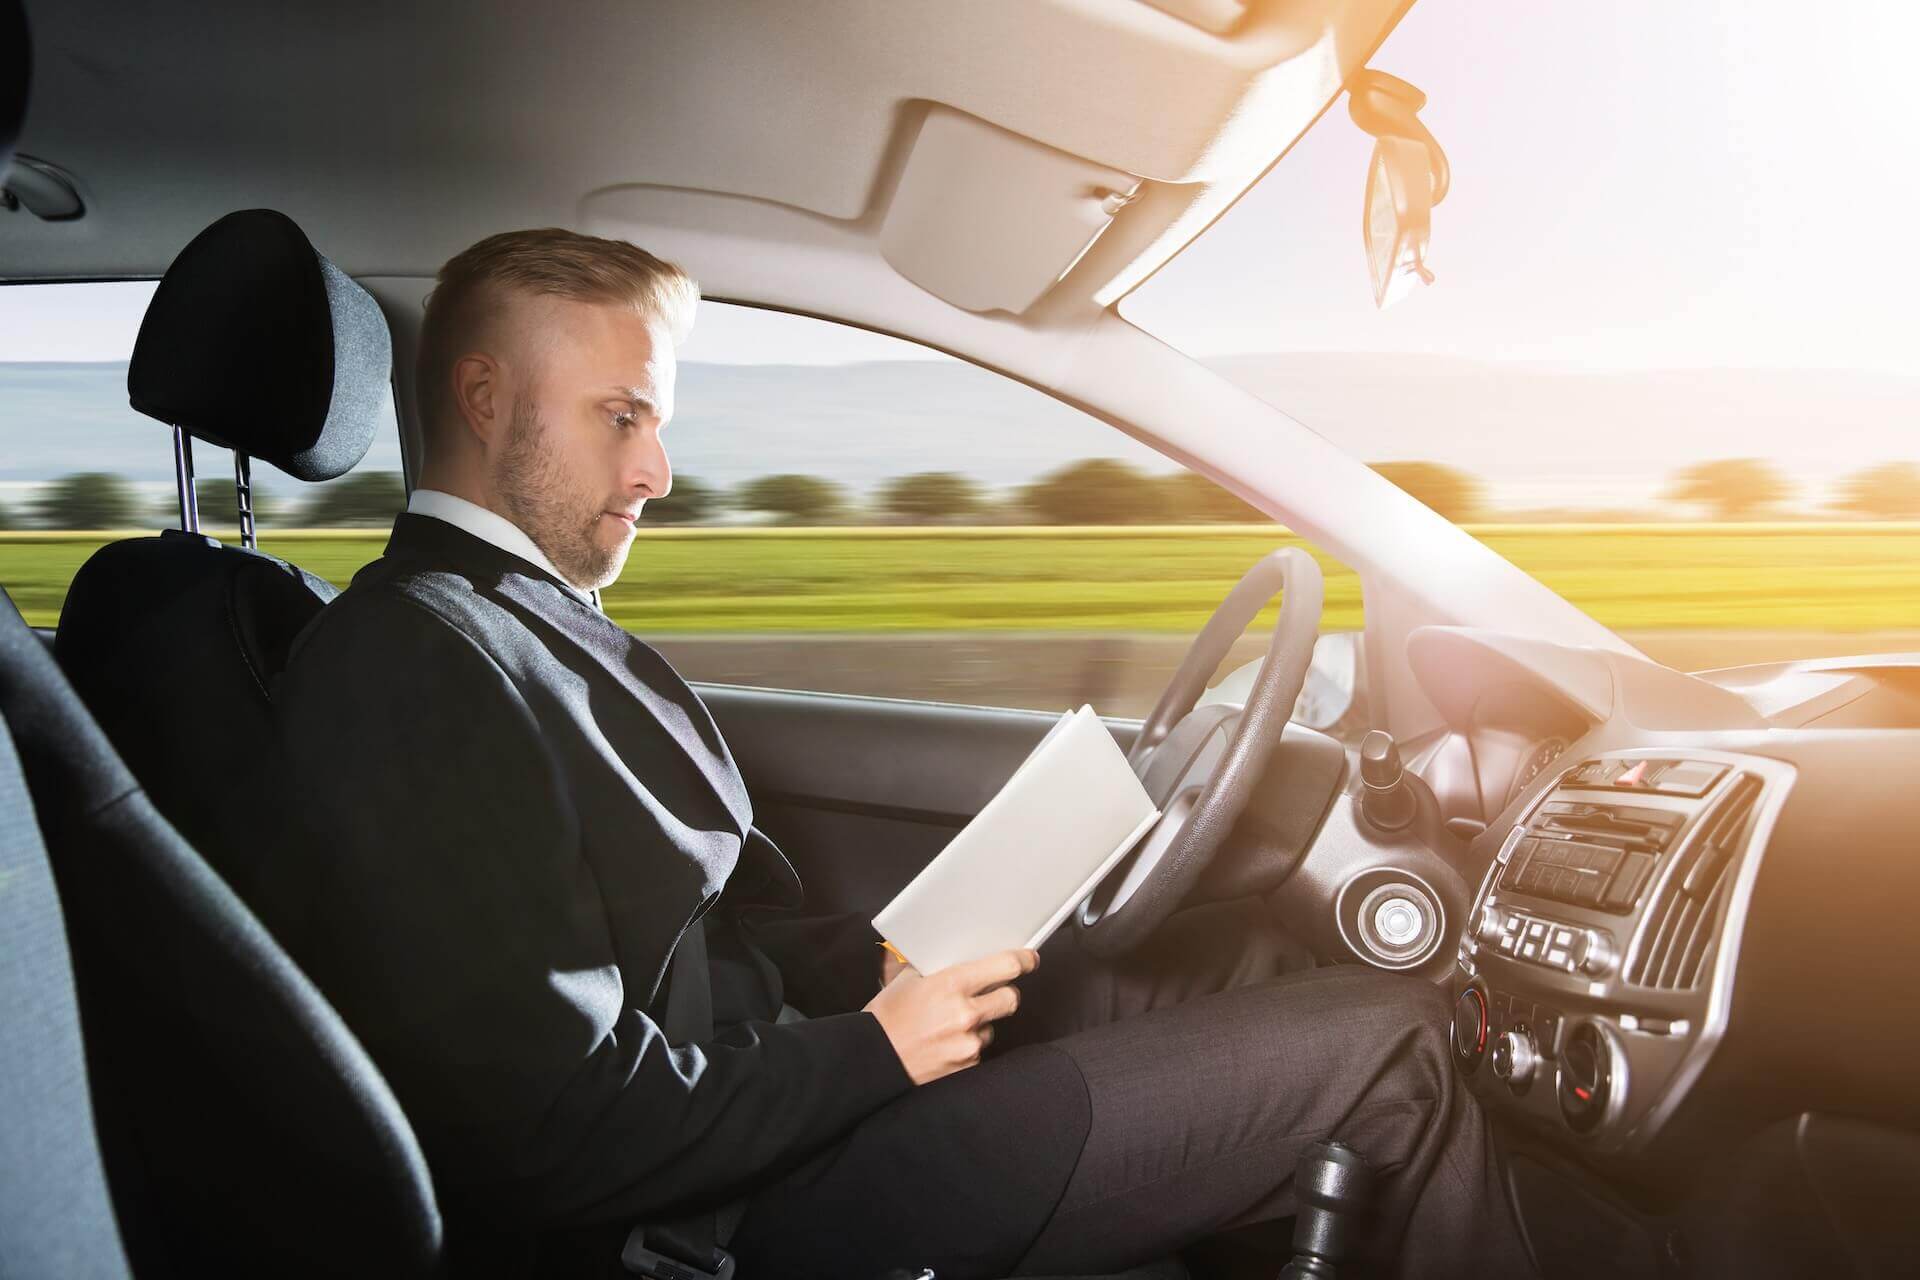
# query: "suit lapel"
640, 669
636, 666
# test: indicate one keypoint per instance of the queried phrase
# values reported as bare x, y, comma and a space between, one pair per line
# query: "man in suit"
535, 890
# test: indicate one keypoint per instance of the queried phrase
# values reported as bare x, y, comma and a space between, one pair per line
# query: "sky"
1690, 185
1679, 183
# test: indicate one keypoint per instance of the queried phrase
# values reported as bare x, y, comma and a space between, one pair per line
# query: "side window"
857, 514
82, 468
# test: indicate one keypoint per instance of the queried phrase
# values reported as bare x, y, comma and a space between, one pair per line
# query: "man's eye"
624, 420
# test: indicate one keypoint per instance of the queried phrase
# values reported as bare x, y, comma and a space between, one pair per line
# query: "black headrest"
255, 342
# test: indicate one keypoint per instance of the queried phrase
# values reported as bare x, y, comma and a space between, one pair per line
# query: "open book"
1062, 821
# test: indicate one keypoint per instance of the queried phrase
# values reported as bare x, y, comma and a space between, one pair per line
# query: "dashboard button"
1593, 772
1546, 1030
1634, 775
1489, 927
1690, 777
1593, 953
1627, 881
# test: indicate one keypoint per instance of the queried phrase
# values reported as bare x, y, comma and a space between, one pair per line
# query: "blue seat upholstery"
55, 1216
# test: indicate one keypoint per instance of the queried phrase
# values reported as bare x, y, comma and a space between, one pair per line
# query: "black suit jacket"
515, 811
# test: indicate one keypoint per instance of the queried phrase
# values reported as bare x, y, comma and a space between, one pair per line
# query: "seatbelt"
688, 1249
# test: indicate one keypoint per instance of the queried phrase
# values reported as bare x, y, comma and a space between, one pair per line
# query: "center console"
1595, 975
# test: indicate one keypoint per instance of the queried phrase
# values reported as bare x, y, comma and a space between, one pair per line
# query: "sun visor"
988, 220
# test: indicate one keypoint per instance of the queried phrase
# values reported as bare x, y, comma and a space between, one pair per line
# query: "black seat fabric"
244, 1129
175, 642
55, 1217
255, 342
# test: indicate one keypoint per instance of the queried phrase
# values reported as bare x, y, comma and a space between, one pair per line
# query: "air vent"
1682, 916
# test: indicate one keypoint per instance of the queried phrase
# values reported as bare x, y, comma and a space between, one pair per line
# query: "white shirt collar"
488, 526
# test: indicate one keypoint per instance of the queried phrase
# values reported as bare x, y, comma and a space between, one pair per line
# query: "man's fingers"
991, 971
998, 1003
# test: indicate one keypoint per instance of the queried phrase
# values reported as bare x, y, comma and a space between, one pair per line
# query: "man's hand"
938, 1024
891, 966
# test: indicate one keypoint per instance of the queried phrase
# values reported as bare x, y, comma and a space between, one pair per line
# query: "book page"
1067, 815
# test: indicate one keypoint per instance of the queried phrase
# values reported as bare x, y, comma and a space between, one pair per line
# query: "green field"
1828, 578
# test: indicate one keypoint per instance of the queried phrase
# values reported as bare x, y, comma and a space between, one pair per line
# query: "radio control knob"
1488, 928
1593, 953
1514, 1057
1591, 1069
1470, 1029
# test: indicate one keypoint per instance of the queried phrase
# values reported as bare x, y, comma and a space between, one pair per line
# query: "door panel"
862, 792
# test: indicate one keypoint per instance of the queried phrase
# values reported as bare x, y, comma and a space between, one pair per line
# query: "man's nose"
652, 471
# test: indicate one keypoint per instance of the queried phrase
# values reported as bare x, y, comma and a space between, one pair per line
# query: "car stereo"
1594, 979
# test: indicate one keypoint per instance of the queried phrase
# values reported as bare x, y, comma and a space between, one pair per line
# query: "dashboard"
1596, 975
1678, 917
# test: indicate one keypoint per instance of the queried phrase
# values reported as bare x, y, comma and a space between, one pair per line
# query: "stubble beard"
540, 498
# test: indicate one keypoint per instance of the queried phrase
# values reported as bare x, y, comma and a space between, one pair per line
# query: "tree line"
103, 500
1096, 491
1091, 491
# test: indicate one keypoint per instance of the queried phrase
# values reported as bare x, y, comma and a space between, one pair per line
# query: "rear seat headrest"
255, 342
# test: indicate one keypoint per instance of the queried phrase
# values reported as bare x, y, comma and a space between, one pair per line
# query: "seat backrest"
255, 342
174, 643
244, 1129
55, 1217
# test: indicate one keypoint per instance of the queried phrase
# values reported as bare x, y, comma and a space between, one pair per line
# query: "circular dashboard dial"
1470, 1028
1586, 1078
1538, 761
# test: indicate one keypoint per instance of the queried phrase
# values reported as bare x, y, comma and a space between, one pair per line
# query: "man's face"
583, 451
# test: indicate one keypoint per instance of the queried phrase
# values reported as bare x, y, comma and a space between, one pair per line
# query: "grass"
1830, 578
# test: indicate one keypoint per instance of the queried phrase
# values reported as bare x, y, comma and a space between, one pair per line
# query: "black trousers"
1192, 1074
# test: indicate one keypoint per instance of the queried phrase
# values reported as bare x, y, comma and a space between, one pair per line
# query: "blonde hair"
545, 262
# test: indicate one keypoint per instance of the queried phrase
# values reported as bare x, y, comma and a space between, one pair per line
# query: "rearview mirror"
1399, 204
1407, 176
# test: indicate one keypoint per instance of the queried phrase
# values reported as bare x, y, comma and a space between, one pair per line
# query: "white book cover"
1010, 877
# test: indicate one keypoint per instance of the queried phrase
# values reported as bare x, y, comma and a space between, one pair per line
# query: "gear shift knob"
1380, 760
1385, 797
1334, 1187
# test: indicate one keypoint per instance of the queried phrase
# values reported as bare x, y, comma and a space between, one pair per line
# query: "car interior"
1668, 907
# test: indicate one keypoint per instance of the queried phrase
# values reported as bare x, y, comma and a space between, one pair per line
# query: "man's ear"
477, 396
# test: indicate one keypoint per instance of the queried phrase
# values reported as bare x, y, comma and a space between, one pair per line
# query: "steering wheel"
1198, 775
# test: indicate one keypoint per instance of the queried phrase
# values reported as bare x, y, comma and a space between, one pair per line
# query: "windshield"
1668, 363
